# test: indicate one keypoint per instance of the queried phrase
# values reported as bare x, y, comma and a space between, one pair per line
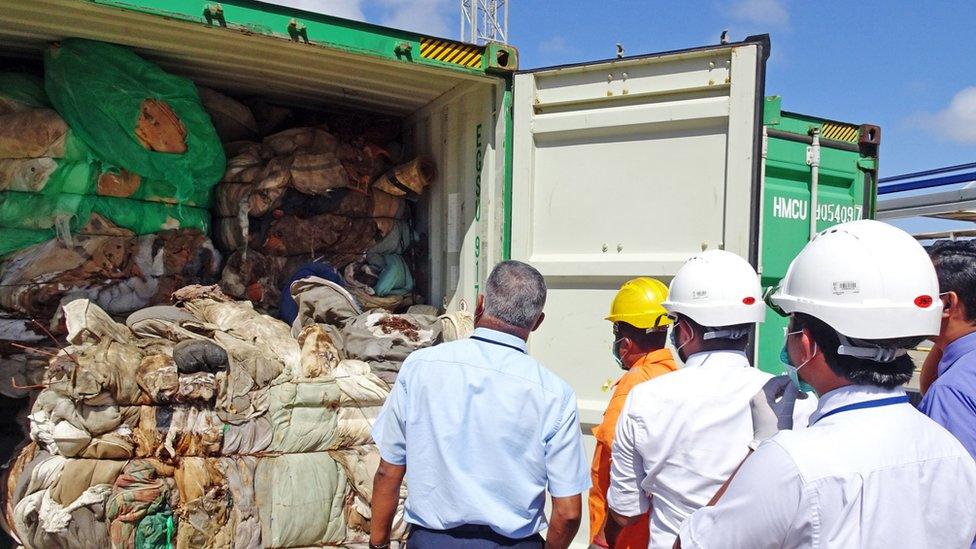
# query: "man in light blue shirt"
481, 431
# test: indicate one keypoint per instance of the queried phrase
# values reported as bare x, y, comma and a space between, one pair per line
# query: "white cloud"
433, 17
957, 121
762, 12
555, 44
348, 9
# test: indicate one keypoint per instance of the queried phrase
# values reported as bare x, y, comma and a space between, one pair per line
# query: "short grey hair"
515, 294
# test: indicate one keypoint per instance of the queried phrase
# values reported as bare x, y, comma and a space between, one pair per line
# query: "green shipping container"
846, 158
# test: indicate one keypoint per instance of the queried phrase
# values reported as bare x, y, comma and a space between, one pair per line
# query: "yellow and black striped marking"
839, 132
447, 51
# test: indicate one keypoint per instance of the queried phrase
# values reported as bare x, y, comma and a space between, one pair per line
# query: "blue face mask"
792, 370
615, 352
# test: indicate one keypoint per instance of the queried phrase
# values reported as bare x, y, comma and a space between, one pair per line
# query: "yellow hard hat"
638, 303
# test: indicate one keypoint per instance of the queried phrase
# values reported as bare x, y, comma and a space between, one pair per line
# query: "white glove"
772, 409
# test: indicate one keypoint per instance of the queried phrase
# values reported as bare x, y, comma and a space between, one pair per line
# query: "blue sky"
907, 66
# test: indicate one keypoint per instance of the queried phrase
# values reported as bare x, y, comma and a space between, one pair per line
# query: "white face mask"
674, 340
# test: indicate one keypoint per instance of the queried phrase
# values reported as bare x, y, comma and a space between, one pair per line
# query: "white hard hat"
716, 288
866, 280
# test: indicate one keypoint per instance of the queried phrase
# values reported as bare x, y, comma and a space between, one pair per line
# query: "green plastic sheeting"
12, 240
155, 531
57, 175
39, 211
99, 89
24, 88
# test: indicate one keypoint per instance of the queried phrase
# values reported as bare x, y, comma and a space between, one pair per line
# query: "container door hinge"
214, 12
813, 155
297, 31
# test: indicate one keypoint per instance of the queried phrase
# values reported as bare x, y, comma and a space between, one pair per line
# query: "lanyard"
866, 404
486, 340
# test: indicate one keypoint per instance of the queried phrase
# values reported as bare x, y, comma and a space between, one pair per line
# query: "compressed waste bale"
299, 499
270, 118
332, 235
142, 489
411, 177
133, 114
304, 416
287, 307
50, 175
385, 340
252, 276
244, 516
387, 210
37, 133
232, 120
119, 273
40, 211
321, 301
21, 92
360, 464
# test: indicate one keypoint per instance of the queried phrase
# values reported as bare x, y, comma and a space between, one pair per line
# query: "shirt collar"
849, 394
660, 356
957, 349
500, 337
724, 358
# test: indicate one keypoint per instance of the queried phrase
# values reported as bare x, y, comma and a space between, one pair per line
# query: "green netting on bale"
72, 211
24, 88
12, 240
100, 89
45, 175
55, 175
152, 190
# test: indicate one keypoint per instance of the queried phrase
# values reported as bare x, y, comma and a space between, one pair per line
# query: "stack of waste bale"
107, 164
315, 195
105, 133
207, 424
377, 337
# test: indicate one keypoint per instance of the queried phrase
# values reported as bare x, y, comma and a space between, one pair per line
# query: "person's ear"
479, 308
808, 347
626, 346
685, 333
951, 306
538, 322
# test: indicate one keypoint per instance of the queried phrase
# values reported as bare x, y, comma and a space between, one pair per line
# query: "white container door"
626, 168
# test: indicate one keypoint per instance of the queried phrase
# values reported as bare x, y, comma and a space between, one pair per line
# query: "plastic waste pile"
334, 193
107, 164
208, 424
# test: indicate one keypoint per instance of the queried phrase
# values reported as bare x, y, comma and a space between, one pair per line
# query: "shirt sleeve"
566, 467
952, 410
389, 430
627, 468
762, 507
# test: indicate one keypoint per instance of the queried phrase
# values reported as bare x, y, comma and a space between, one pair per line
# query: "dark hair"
646, 341
721, 344
955, 265
860, 370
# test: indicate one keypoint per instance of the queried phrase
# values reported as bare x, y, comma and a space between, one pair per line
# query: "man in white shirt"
870, 471
680, 436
